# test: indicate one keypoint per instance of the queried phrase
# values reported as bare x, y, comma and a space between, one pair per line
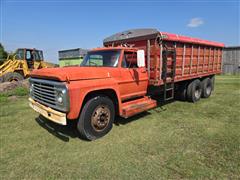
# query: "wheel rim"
197, 92
208, 89
100, 117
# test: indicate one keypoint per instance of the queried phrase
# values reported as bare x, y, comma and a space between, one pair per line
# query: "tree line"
3, 53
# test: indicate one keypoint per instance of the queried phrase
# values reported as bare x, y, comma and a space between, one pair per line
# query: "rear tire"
96, 118
194, 91
207, 87
12, 76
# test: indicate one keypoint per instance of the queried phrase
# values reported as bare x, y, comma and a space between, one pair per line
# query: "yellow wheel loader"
19, 65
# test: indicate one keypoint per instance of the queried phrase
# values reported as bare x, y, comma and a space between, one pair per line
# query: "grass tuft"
19, 91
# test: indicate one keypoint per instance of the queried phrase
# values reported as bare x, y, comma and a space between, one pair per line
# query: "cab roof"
115, 48
31, 49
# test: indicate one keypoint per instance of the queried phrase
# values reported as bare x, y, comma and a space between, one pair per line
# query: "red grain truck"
124, 77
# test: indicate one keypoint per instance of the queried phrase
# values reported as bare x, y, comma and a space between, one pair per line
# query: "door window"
129, 60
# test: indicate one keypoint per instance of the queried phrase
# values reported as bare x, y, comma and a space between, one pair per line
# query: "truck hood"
71, 73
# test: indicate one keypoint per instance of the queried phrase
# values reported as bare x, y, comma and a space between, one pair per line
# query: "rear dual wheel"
207, 86
194, 91
197, 89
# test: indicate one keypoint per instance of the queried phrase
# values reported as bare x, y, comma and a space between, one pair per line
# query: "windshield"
108, 58
19, 54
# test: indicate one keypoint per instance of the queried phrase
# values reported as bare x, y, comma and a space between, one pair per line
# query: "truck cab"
110, 81
122, 66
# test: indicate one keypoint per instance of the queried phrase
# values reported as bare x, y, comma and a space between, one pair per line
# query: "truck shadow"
122, 121
161, 103
64, 133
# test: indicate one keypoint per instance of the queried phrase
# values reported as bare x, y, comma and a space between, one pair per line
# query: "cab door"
134, 80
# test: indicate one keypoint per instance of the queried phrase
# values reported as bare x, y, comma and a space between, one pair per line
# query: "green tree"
3, 54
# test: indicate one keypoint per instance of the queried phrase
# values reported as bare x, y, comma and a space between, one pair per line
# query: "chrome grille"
46, 92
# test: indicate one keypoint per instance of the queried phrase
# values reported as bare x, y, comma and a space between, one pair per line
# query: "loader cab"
30, 55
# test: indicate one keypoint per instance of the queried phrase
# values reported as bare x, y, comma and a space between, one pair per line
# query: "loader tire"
194, 91
96, 118
207, 87
12, 76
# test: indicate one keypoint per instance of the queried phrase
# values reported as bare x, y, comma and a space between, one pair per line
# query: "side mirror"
140, 58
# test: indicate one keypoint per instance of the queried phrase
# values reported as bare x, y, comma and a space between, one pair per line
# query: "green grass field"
178, 140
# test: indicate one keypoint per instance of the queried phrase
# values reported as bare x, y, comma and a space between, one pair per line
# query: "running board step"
133, 107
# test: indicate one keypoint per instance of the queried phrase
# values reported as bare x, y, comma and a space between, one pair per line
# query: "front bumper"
49, 113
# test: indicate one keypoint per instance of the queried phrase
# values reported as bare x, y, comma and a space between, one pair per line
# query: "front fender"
78, 90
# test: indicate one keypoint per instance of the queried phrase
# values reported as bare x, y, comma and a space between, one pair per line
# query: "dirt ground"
7, 86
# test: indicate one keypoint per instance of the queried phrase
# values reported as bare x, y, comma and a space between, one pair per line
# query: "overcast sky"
53, 25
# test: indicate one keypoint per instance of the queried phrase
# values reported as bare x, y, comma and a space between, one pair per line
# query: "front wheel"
96, 118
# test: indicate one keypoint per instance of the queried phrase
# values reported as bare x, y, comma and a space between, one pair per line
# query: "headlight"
59, 98
31, 88
60, 95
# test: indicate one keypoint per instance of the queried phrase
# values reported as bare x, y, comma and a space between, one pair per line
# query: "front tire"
96, 118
